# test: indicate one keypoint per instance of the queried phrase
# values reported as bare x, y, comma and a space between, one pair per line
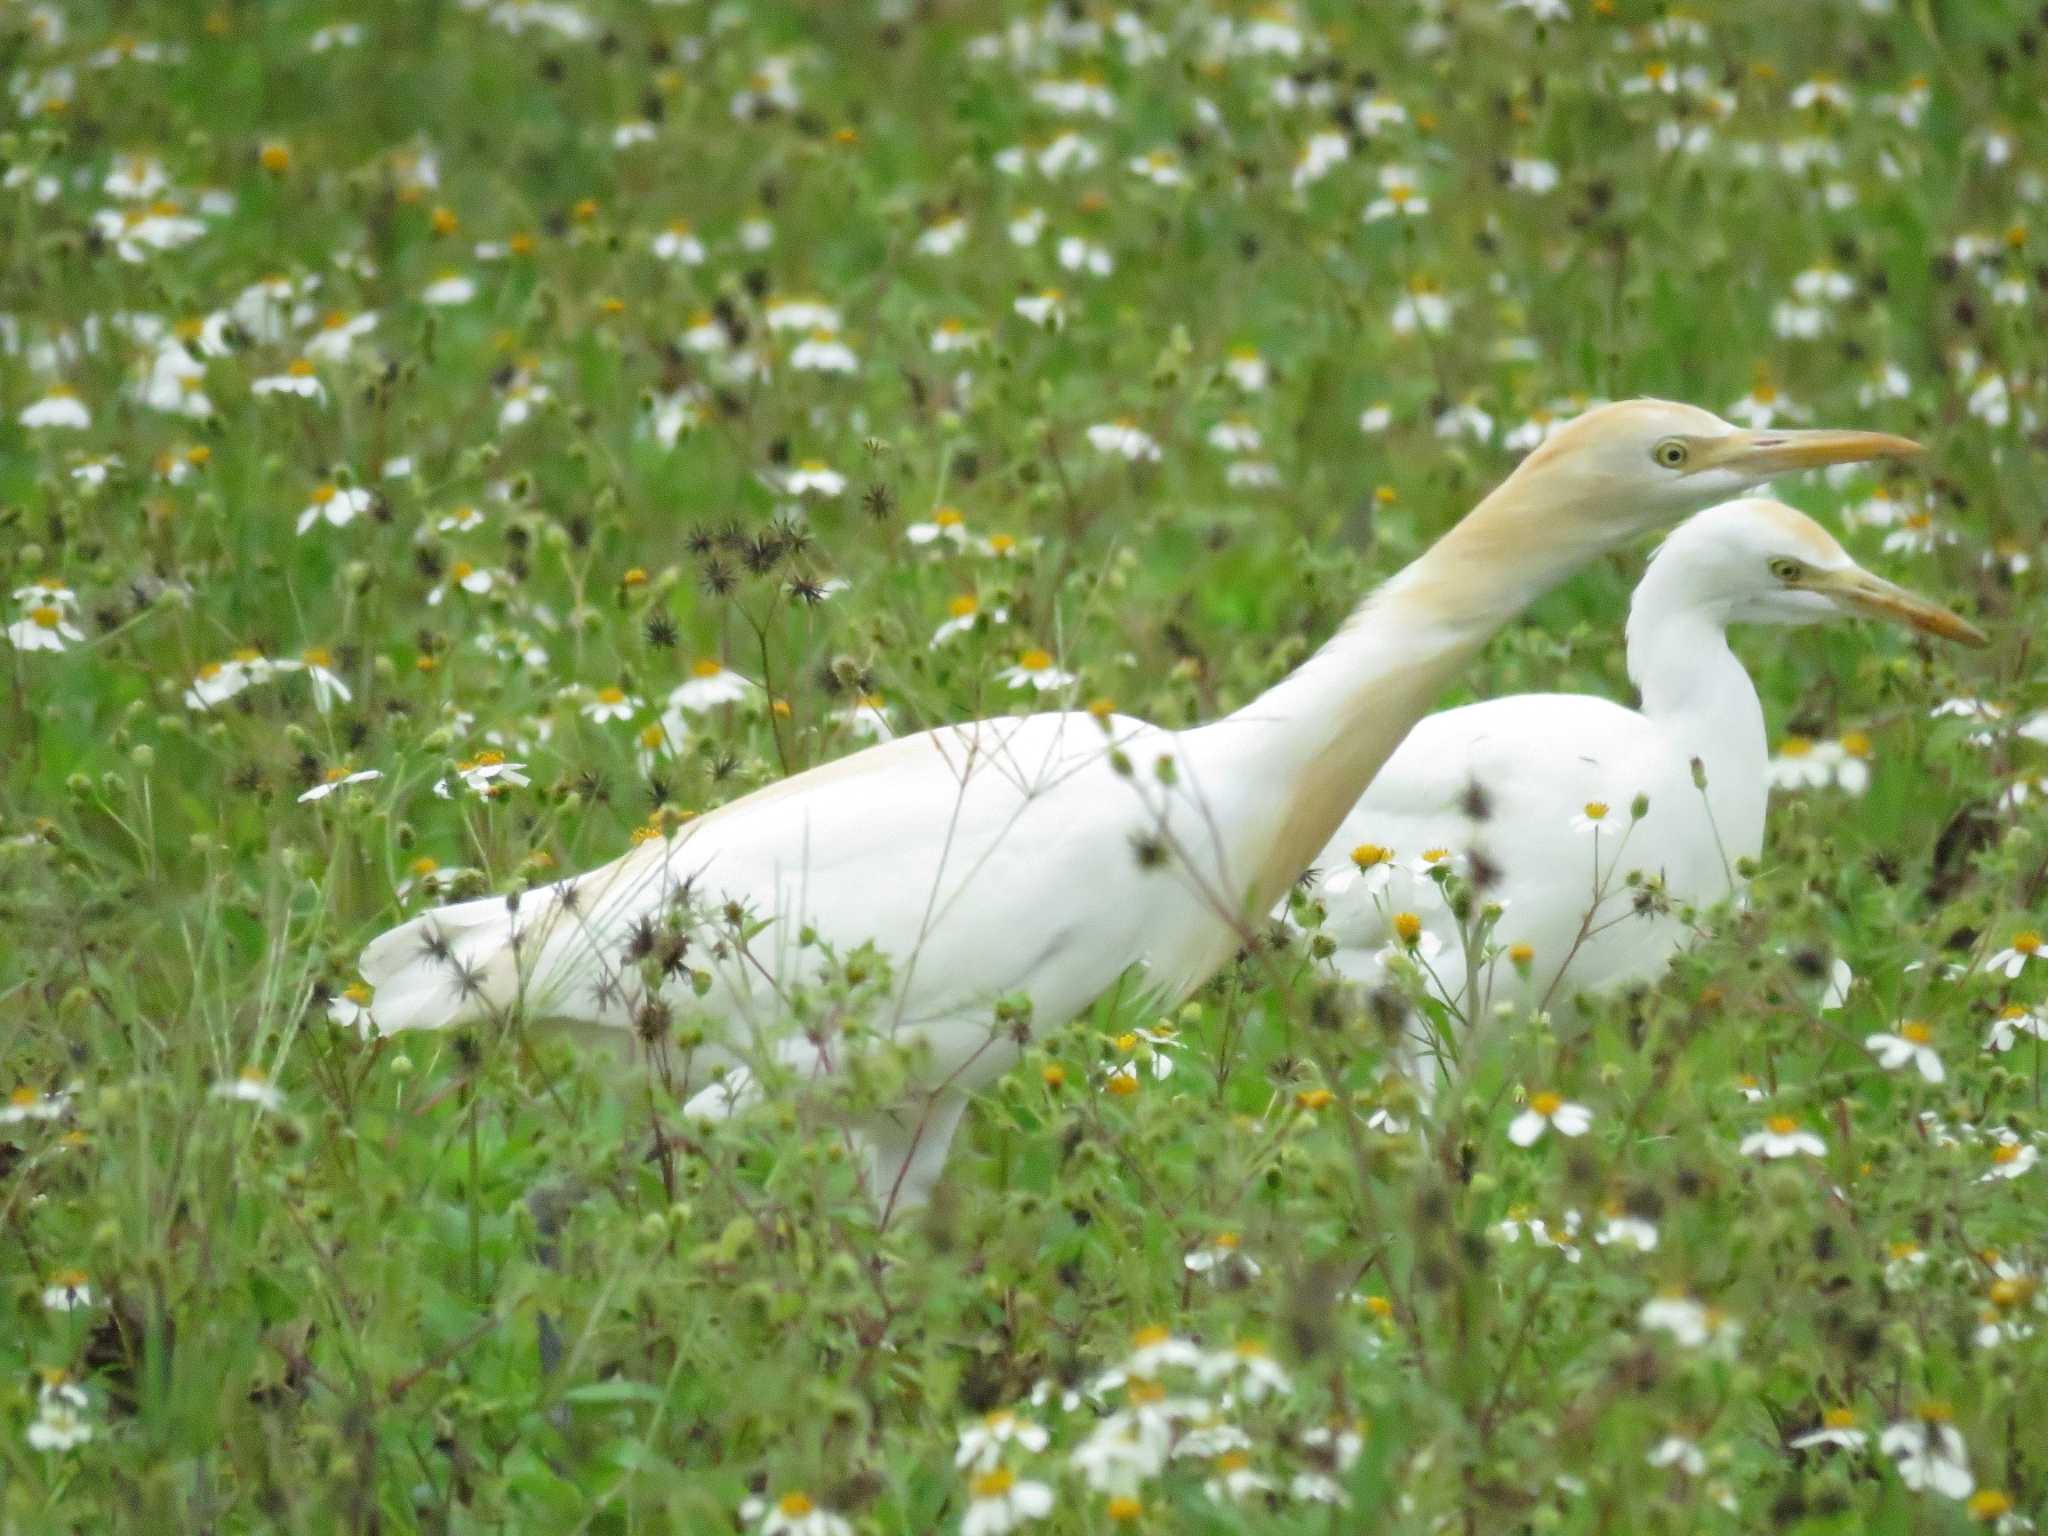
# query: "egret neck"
1321, 733
1694, 689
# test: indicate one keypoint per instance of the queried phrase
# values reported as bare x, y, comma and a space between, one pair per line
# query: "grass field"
385, 388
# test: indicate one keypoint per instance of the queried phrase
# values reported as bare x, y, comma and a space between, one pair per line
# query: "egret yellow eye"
1787, 570
1671, 453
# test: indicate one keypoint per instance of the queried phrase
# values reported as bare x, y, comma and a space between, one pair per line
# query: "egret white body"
1043, 857
1536, 791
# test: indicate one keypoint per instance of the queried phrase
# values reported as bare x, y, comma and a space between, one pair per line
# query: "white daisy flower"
999, 1502
943, 238
794, 1514
69, 1290
43, 628
1548, 1111
449, 288
1783, 1136
252, 1085
813, 477
2012, 1022
337, 506
1035, 669
2026, 945
1124, 438
1837, 1431
1046, 309
338, 779
487, 774
60, 1423
609, 704
1910, 1043
984, 1441
299, 380
711, 685
59, 407
1930, 1454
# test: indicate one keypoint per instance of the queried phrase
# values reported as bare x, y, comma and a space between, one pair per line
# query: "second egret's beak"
1857, 591
1781, 452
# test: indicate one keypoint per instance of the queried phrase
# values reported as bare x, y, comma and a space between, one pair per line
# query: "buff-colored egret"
1532, 800
1036, 859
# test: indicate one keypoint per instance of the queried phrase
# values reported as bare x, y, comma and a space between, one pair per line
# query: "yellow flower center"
356, 993
1407, 927
1124, 1509
708, 668
1856, 744
1379, 1306
2006, 1152
1127, 1043
2027, 942
323, 494
1146, 1338
1915, 1031
1232, 1461
1901, 1251
22, 1097
318, 656
1782, 1125
1435, 855
1315, 1098
948, 517
300, 368
44, 618
1839, 1418
795, 1504
1035, 661
1001, 543
462, 570
1521, 954
993, 1485
1596, 810
253, 1075
611, 695
1989, 1504
1546, 1104
1365, 855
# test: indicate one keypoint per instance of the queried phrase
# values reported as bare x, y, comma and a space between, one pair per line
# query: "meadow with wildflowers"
444, 444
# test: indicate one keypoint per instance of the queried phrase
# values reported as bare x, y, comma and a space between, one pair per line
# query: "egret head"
1624, 468
1756, 561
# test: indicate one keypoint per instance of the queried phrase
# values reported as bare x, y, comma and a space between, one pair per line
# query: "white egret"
1036, 859
1536, 793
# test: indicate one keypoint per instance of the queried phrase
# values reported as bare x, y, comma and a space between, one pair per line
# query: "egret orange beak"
1782, 452
1857, 591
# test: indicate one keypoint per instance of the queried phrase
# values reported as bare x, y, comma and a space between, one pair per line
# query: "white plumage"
1553, 779
1040, 858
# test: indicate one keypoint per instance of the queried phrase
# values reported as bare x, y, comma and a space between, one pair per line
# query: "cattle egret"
1532, 800
1009, 871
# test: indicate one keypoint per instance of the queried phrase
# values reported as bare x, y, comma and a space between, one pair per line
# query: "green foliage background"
487, 1284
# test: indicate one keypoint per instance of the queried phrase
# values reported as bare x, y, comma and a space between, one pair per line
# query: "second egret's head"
1638, 464
1756, 561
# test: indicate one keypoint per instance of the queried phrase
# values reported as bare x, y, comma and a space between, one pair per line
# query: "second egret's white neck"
1316, 738
1694, 688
